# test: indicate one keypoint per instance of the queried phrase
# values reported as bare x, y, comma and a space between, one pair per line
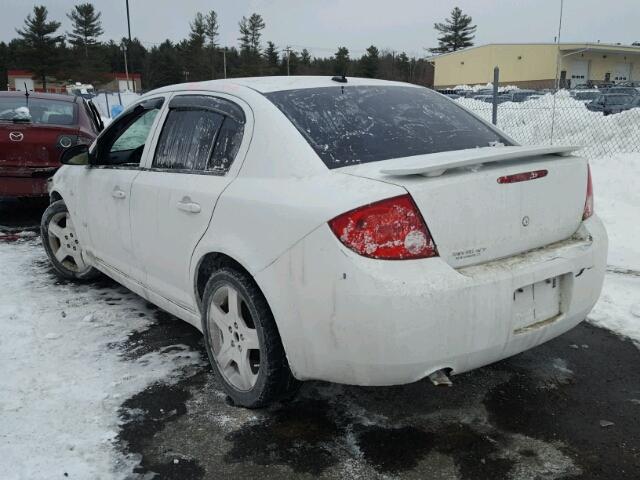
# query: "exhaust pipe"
440, 377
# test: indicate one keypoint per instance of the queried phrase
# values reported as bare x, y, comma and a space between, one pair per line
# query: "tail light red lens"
391, 229
588, 204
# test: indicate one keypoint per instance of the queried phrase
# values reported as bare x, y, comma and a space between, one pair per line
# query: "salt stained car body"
367, 232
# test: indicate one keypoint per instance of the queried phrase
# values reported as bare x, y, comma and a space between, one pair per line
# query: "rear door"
197, 154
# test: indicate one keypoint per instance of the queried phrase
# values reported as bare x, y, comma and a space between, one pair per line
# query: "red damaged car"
35, 129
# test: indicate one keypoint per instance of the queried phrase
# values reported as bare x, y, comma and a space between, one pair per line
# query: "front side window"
351, 125
123, 142
201, 133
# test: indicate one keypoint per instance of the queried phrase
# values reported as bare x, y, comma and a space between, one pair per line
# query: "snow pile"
561, 119
617, 203
62, 382
475, 88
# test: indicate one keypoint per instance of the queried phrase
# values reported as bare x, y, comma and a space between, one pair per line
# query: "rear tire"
62, 245
242, 341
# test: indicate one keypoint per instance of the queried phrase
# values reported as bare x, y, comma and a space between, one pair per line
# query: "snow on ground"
617, 202
62, 378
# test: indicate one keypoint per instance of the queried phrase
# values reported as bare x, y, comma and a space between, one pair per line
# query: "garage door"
622, 72
20, 82
579, 72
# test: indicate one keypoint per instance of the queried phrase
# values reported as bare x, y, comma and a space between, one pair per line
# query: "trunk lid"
25, 145
475, 219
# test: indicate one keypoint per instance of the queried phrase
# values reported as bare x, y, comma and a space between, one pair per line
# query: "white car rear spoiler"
435, 164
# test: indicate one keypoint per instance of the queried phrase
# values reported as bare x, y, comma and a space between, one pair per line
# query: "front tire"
242, 341
62, 245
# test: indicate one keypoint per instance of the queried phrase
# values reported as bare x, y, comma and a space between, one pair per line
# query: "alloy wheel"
64, 242
234, 338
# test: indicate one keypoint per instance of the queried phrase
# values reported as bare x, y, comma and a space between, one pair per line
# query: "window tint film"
227, 145
350, 125
187, 139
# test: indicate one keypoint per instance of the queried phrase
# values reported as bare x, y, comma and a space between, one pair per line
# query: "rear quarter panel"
283, 192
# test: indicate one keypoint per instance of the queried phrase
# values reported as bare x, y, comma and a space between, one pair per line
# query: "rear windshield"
352, 125
37, 110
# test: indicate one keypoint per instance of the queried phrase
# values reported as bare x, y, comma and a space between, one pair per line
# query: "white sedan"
349, 230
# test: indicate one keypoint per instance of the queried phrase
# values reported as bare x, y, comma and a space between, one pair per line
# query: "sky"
322, 26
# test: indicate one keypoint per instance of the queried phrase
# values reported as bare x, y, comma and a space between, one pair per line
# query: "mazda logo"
16, 136
525, 221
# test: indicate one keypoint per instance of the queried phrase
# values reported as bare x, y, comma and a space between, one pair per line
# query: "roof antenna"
26, 94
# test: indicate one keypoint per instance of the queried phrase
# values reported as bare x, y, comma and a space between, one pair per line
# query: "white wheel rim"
64, 242
234, 339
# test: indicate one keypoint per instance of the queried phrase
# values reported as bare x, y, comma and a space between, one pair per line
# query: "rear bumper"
25, 182
348, 319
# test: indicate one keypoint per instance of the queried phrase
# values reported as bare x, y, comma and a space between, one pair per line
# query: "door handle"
186, 205
117, 193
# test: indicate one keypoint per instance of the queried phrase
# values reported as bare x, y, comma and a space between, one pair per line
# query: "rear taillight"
391, 229
588, 203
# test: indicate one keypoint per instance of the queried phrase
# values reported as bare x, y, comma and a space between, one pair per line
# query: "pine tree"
456, 33
369, 62
271, 56
250, 33
341, 61
305, 57
404, 67
40, 41
86, 27
211, 31
163, 65
198, 31
197, 60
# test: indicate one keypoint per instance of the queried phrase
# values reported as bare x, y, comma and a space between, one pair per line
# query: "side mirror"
76, 155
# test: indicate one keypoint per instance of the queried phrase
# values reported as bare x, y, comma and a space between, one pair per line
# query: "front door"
174, 198
104, 187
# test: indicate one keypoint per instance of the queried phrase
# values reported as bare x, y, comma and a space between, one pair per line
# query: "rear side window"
200, 133
350, 125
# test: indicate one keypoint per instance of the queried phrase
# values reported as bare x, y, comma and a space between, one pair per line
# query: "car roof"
50, 96
279, 83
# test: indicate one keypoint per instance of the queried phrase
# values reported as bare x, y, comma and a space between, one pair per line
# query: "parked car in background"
356, 231
634, 102
502, 98
585, 96
520, 95
623, 90
609, 103
35, 129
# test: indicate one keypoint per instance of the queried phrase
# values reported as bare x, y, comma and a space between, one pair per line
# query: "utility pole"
288, 50
126, 68
555, 94
224, 60
125, 54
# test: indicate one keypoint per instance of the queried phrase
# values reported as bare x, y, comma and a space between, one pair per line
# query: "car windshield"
36, 110
617, 99
351, 125
586, 95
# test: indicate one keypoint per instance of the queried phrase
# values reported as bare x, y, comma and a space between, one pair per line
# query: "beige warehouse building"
533, 65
